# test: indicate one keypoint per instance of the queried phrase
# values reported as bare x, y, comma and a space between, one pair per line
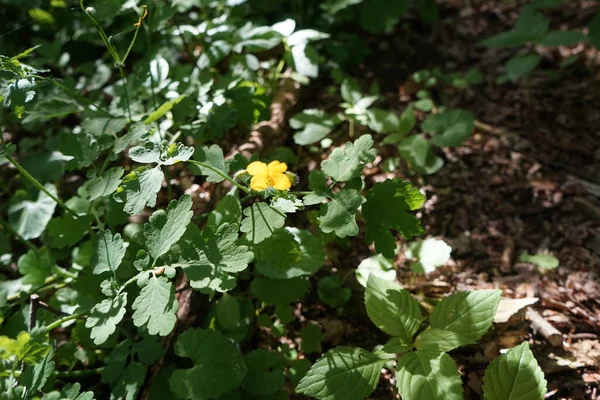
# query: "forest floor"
528, 180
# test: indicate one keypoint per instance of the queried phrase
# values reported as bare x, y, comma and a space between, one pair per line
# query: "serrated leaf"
377, 265
396, 345
386, 207
279, 291
218, 366
431, 375
213, 157
346, 162
468, 314
136, 132
132, 379
109, 251
562, 38
514, 375
165, 228
260, 221
419, 153
331, 292
139, 189
451, 127
392, 308
30, 218
266, 373
156, 307
83, 149
34, 378
101, 186
17, 93
105, 316
228, 210
67, 230
339, 215
342, 373
36, 266
160, 153
519, 66
28, 347
440, 340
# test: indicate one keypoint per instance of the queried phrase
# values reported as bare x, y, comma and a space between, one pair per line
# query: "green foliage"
260, 221
156, 307
544, 261
109, 251
346, 163
105, 316
165, 228
339, 215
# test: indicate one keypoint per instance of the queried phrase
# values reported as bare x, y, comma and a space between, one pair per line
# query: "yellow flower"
266, 176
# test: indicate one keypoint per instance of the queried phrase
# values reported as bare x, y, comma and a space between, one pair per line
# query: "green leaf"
396, 346
164, 229
331, 292
544, 261
162, 110
378, 16
29, 218
228, 312
392, 308
306, 60
431, 375
506, 39
228, 210
132, 379
212, 156
342, 373
109, 251
105, 316
519, 66
562, 38
514, 375
102, 186
315, 124
420, 155
100, 126
265, 373
345, 163
218, 365
36, 266
67, 230
139, 189
156, 307
34, 378
430, 254
386, 207
217, 255
383, 121
279, 291
451, 127
136, 132
28, 347
160, 154
260, 221
440, 340
339, 215
468, 314
377, 265
311, 339
18, 93
83, 149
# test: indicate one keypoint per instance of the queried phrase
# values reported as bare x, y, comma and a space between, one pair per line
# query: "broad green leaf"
130, 382
228, 210
347, 162
440, 340
218, 365
136, 132
83, 149
306, 60
342, 373
36, 266
105, 316
139, 189
279, 291
213, 157
217, 254
339, 215
331, 292
304, 36
162, 110
562, 38
420, 155
28, 347
377, 265
392, 308
408, 120
506, 39
430, 254
396, 345
99, 126
109, 251
298, 370
72, 392
451, 127
266, 373
29, 218
383, 121
101, 186
156, 307
164, 229
34, 378
311, 339
67, 230
519, 66
514, 375
161, 154
315, 124
260, 221
544, 261
228, 311
378, 16
115, 362
17, 93
468, 314
386, 207
431, 375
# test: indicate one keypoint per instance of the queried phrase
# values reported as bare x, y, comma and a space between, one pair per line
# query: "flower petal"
280, 181
259, 182
276, 166
257, 168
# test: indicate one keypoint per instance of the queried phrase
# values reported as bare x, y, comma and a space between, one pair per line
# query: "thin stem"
17, 235
61, 321
78, 373
221, 174
35, 183
351, 128
138, 26
129, 282
301, 193
122, 73
49, 281
103, 36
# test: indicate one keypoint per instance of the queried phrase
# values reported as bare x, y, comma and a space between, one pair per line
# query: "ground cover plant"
218, 200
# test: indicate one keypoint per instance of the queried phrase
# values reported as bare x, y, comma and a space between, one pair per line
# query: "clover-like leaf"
260, 221
136, 132
164, 229
452, 127
108, 253
156, 306
29, 218
339, 215
105, 316
67, 230
36, 266
386, 207
346, 162
160, 153
218, 365
213, 157
139, 189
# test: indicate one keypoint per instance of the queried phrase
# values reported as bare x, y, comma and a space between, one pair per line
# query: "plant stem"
221, 174
138, 26
38, 185
122, 73
61, 321
78, 373
351, 128
17, 235
301, 193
